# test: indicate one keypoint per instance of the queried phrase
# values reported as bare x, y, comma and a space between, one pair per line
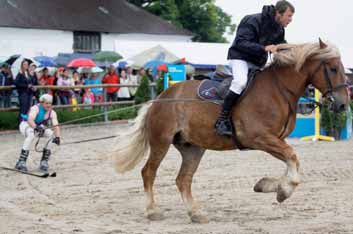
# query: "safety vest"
40, 118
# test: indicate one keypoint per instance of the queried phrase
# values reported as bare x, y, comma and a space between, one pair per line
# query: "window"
87, 42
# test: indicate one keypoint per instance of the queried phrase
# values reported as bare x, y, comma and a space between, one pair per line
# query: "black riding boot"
44, 166
21, 163
224, 125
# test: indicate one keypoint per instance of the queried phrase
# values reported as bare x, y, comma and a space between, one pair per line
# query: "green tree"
160, 84
143, 93
333, 122
203, 18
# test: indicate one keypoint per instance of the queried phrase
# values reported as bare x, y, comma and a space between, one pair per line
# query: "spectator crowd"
29, 76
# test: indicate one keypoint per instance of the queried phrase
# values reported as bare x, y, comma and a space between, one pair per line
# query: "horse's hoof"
266, 185
284, 191
154, 215
198, 218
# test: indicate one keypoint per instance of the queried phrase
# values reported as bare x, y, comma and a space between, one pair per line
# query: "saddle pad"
215, 91
208, 91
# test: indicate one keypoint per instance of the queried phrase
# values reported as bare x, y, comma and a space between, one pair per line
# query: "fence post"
105, 107
153, 92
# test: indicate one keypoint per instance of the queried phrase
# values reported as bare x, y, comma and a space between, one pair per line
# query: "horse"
263, 118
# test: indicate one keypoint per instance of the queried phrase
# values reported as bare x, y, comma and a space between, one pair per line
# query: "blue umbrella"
45, 61
89, 70
122, 64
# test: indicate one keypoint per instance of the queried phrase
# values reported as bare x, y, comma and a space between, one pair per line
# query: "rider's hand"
39, 131
56, 140
271, 48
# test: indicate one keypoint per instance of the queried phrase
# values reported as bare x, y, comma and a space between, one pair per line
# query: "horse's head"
327, 75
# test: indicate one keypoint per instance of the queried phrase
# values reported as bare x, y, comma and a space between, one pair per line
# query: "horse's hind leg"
285, 185
191, 157
157, 153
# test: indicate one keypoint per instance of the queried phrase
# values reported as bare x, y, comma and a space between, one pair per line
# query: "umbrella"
45, 61
89, 70
107, 56
16, 63
162, 67
123, 64
12, 59
64, 58
81, 62
103, 64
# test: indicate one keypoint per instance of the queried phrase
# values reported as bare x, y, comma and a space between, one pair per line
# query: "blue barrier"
304, 126
175, 74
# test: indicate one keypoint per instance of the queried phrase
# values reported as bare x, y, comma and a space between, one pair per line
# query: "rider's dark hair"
283, 5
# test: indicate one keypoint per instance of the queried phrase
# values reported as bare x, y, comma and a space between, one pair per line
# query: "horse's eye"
333, 70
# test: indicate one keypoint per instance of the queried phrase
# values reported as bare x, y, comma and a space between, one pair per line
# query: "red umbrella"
81, 62
162, 67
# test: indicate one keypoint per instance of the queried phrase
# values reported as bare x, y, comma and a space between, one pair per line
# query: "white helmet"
46, 98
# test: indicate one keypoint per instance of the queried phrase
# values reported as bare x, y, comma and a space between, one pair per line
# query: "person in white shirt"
36, 124
132, 80
123, 93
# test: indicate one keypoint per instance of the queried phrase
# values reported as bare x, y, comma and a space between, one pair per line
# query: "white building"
47, 27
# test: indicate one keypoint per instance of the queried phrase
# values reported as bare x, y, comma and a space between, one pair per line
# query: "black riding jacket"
253, 34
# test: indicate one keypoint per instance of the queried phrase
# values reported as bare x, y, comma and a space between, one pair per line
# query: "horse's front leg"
285, 185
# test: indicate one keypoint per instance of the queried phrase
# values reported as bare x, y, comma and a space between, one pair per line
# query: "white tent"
197, 53
156, 53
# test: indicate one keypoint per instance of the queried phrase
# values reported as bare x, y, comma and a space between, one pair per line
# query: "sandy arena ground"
87, 196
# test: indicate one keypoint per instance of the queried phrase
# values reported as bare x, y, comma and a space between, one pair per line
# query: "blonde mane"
297, 54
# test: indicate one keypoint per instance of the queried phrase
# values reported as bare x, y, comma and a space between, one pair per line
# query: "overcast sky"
330, 20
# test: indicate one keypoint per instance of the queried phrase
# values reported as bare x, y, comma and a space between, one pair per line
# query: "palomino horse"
264, 117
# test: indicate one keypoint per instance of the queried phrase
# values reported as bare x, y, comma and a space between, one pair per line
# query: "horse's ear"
322, 44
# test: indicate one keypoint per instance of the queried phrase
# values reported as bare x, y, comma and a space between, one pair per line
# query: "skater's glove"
39, 131
56, 140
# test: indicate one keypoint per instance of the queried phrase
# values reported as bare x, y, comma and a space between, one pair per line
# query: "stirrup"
224, 127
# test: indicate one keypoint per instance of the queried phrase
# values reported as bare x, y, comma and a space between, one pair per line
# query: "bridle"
330, 88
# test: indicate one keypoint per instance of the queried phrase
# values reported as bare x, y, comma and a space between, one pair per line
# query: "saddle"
215, 85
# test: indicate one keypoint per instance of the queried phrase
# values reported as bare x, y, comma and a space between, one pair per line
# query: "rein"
292, 109
169, 100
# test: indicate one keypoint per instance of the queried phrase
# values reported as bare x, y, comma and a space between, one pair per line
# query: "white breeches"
240, 69
28, 133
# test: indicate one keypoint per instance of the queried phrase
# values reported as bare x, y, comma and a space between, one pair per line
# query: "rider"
256, 36
34, 125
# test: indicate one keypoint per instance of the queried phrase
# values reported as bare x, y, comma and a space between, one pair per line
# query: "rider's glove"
39, 131
56, 140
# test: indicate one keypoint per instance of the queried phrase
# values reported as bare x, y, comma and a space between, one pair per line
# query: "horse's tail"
133, 145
